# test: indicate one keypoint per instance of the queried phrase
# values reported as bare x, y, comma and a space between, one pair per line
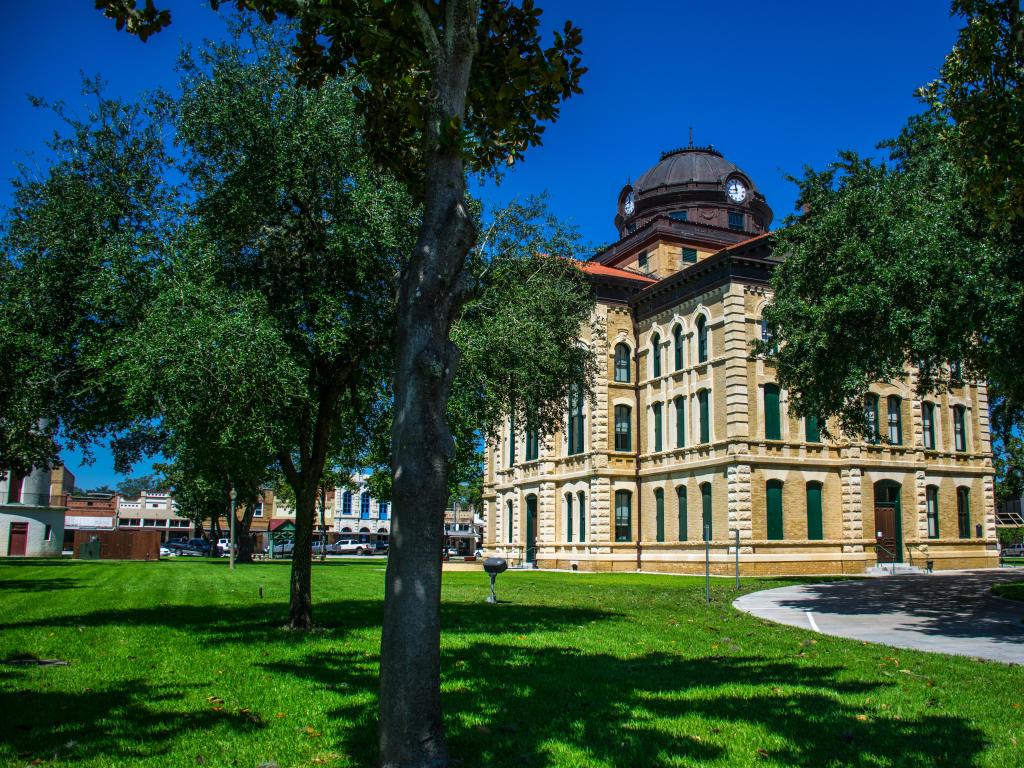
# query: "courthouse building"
689, 435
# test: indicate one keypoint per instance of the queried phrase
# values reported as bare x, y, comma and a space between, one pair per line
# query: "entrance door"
17, 545
531, 529
887, 523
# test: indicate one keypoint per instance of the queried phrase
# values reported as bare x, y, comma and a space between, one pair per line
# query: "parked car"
1012, 550
165, 552
196, 548
350, 547
380, 548
223, 547
176, 545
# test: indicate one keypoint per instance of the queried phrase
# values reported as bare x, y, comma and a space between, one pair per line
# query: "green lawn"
1012, 591
182, 664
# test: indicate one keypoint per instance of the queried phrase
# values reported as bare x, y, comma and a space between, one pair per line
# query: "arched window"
346, 503
677, 346
583, 516
772, 422
568, 517
364, 506
659, 514
680, 404
532, 445
623, 515
814, 526
623, 428
928, 424
812, 430
681, 502
894, 406
702, 339
963, 512
705, 423
705, 502
575, 426
508, 518
622, 363
656, 414
871, 416
656, 356
932, 508
773, 502
959, 428
512, 441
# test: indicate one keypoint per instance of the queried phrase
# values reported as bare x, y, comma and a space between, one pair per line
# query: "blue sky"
774, 86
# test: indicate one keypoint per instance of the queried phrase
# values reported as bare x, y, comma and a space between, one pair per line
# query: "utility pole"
231, 543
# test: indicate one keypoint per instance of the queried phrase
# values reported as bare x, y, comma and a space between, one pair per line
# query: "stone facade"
665, 286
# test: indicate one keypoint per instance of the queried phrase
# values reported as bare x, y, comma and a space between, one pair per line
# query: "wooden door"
885, 534
17, 545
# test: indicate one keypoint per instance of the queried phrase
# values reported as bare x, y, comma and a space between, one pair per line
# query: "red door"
885, 534
18, 542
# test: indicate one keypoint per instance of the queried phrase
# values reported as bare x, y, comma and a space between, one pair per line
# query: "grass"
1012, 591
182, 663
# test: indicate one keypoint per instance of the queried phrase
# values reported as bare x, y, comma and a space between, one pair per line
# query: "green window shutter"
773, 496
583, 517
681, 500
659, 513
657, 426
812, 429
702, 340
928, 424
512, 442
656, 356
623, 515
963, 512
622, 363
568, 517
933, 512
689, 255
680, 404
814, 527
677, 347
772, 423
707, 532
509, 515
705, 425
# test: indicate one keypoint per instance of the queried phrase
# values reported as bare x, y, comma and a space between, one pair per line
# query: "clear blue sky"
774, 86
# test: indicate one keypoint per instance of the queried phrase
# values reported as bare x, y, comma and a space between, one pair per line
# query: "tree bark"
243, 537
300, 609
433, 287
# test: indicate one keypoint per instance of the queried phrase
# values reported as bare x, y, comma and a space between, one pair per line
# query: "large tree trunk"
433, 287
300, 609
243, 537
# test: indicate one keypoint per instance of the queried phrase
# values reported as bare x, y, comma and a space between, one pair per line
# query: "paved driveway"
951, 612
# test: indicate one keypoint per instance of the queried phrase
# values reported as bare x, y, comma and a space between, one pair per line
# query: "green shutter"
772, 425
814, 528
681, 499
705, 499
680, 422
509, 508
583, 518
656, 352
657, 426
677, 341
813, 430
705, 426
659, 513
568, 517
773, 495
689, 254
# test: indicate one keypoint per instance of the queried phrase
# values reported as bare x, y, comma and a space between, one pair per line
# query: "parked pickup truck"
350, 547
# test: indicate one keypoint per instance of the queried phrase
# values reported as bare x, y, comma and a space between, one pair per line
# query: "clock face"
628, 204
736, 190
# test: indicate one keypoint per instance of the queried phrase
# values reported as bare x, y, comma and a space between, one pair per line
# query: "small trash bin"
929, 565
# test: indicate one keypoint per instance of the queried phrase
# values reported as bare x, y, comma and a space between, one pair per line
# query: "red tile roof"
593, 268
742, 243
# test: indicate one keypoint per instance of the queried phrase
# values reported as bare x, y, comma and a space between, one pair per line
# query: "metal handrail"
890, 553
910, 551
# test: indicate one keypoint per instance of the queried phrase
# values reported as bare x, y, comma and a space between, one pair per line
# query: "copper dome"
688, 165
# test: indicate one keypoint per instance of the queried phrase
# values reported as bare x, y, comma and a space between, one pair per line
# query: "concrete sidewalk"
949, 612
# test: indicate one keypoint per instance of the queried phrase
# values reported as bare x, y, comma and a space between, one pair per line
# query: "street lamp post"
231, 544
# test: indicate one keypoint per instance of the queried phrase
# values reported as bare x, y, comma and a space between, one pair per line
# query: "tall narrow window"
681, 501
928, 424
705, 501
705, 424
680, 405
656, 356
895, 420
773, 500
623, 515
963, 512
677, 347
532, 445
932, 503
766, 336
568, 517
702, 339
956, 373
659, 514
583, 517
623, 428
772, 422
812, 431
15, 480
642, 261
871, 417
622, 363
346, 503
512, 441
815, 531
575, 436
656, 413
959, 428
508, 519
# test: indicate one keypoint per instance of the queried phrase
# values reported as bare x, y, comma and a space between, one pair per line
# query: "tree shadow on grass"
517, 706
47, 585
130, 720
